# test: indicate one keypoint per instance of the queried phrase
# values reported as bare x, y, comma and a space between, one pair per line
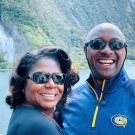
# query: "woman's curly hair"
18, 80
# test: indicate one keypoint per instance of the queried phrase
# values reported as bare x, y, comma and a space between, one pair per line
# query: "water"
6, 45
5, 112
4, 109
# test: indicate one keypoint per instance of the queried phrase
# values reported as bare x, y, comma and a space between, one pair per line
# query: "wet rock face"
12, 42
6, 45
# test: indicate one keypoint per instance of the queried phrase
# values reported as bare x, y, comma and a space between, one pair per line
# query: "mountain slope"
66, 23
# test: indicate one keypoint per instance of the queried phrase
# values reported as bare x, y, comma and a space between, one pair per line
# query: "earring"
23, 90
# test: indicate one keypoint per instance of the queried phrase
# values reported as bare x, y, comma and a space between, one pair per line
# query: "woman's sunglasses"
99, 44
42, 78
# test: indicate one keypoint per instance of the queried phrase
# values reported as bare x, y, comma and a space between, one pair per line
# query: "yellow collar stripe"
93, 90
97, 106
95, 116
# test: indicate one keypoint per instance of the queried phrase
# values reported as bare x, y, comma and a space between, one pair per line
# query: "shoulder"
27, 120
78, 90
130, 87
38, 127
28, 113
75, 92
31, 115
78, 97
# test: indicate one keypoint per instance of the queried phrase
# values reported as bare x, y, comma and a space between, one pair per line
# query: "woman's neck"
49, 113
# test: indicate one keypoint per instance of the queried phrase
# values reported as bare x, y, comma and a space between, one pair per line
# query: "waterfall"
6, 45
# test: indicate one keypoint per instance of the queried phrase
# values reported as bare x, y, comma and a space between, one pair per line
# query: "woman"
41, 81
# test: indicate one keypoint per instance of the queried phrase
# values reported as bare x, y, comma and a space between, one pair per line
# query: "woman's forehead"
47, 65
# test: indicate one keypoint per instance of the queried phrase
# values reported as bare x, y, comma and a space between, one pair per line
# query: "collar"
113, 84
108, 86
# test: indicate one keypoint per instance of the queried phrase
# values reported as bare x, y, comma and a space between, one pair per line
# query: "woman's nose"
50, 83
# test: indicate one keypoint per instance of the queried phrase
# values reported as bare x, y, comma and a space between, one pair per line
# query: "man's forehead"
105, 29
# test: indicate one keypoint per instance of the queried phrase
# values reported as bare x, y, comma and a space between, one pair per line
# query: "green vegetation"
35, 35
22, 15
65, 24
78, 58
4, 64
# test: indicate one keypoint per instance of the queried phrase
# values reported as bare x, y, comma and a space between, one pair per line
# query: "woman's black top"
27, 120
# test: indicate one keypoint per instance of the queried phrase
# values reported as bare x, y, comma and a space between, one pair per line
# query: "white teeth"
48, 95
106, 61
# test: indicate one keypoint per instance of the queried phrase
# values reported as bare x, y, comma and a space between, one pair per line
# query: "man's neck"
96, 83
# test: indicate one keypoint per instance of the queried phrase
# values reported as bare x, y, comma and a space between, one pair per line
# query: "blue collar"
113, 84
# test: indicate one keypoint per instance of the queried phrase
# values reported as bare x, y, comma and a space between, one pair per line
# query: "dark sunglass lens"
97, 44
35, 77
116, 45
40, 78
58, 79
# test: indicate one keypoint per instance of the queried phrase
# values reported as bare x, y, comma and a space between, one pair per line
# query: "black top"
27, 120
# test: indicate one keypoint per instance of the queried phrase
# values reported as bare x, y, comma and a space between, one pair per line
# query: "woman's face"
44, 96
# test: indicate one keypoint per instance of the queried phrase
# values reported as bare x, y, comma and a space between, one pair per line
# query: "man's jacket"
112, 112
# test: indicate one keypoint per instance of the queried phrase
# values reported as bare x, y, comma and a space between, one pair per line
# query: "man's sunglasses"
42, 78
99, 44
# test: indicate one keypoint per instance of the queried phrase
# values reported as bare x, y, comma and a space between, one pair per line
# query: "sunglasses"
99, 44
42, 78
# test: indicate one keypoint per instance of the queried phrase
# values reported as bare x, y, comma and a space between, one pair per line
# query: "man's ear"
85, 49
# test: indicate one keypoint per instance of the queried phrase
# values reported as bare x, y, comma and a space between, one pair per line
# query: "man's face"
105, 63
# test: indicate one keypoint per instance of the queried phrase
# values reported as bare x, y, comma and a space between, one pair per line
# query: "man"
105, 103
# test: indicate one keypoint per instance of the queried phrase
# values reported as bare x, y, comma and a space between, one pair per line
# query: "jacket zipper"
99, 100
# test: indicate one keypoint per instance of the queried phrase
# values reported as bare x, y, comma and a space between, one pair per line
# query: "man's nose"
107, 49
